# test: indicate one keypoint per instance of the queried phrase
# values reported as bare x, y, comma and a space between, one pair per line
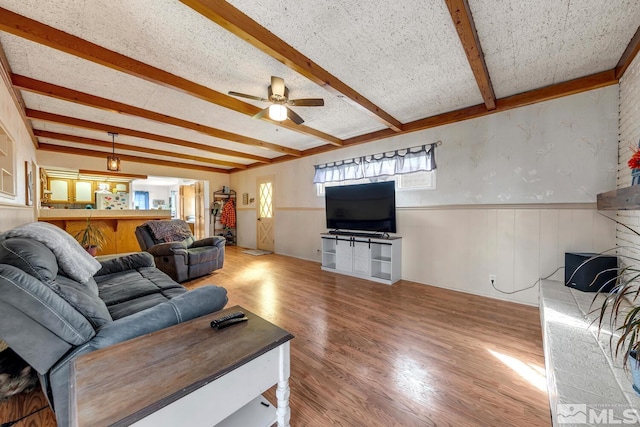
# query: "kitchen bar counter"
118, 225
45, 214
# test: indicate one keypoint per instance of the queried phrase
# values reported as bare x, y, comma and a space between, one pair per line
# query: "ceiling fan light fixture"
113, 162
277, 112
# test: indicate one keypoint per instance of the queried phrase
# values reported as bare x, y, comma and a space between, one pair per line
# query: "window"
141, 199
7, 165
411, 168
424, 180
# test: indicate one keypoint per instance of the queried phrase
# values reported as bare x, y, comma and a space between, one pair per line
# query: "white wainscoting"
298, 232
458, 247
13, 216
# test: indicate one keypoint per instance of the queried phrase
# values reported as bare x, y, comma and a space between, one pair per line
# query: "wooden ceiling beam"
85, 124
629, 54
101, 154
38, 32
233, 20
107, 144
463, 21
70, 95
5, 75
113, 174
558, 90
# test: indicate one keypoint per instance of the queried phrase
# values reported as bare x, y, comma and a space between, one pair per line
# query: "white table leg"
283, 413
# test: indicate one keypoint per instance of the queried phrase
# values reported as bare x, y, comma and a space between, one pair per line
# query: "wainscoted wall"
629, 138
12, 216
13, 209
458, 248
515, 190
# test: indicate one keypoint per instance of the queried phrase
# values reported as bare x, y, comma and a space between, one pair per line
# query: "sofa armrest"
167, 249
127, 262
192, 304
195, 303
217, 241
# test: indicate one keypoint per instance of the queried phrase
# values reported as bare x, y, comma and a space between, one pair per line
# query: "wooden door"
265, 240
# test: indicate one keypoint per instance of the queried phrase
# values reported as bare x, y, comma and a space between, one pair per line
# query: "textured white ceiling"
398, 55
404, 56
528, 45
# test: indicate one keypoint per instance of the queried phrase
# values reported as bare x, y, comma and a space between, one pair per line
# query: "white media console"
372, 258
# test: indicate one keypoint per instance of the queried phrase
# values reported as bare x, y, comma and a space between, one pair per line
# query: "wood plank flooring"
367, 354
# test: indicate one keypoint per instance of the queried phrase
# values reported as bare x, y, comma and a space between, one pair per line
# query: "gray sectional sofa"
55, 306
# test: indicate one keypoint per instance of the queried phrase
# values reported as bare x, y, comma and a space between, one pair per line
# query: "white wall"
13, 209
162, 192
515, 190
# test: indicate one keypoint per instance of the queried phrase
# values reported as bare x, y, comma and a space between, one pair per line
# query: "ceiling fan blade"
277, 86
244, 95
261, 113
294, 117
309, 102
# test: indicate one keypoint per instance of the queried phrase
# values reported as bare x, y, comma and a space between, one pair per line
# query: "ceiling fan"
279, 99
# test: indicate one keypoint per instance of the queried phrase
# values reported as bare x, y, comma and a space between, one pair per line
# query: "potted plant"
91, 237
619, 311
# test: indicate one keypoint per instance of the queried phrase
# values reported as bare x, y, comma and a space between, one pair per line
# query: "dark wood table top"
123, 383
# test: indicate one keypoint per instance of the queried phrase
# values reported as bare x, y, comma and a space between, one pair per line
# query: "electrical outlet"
492, 278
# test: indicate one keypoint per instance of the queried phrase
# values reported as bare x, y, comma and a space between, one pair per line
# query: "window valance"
407, 160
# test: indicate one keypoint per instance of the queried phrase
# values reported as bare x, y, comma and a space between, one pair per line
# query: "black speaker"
596, 274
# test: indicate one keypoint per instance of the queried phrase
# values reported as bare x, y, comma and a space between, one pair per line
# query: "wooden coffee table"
188, 374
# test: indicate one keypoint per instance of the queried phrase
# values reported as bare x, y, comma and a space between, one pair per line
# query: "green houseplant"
619, 311
92, 237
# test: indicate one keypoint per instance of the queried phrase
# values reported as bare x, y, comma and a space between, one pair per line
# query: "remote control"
235, 315
230, 322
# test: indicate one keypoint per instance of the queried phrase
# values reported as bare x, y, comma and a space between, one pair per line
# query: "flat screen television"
366, 207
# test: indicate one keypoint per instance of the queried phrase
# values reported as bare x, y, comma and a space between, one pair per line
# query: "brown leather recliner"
182, 257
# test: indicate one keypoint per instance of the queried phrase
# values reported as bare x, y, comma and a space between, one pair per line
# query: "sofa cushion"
71, 257
30, 256
120, 291
116, 264
27, 295
85, 299
127, 308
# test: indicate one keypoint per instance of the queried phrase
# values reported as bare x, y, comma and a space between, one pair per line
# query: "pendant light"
113, 163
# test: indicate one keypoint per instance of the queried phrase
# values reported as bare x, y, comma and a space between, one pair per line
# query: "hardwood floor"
366, 354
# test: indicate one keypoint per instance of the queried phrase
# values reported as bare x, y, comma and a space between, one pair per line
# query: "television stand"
376, 258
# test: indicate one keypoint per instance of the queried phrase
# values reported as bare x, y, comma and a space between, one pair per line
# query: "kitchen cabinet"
83, 191
119, 187
60, 190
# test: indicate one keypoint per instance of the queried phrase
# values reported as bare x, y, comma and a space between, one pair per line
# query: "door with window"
265, 221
